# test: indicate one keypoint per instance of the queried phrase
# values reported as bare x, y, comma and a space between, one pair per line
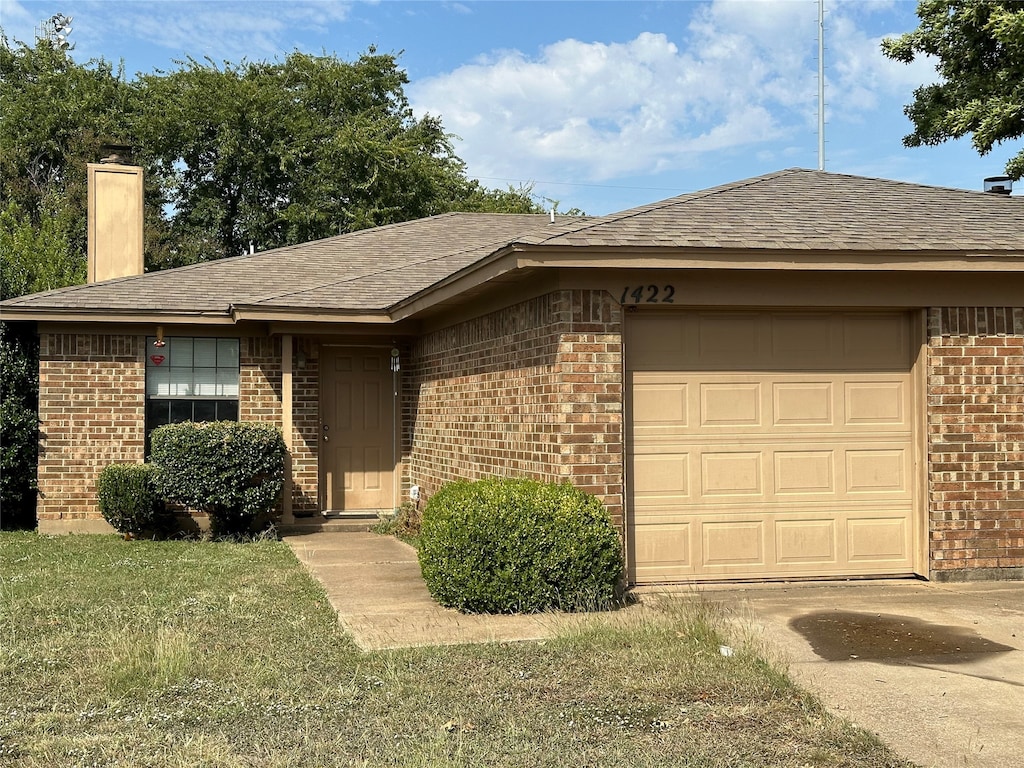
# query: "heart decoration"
157, 359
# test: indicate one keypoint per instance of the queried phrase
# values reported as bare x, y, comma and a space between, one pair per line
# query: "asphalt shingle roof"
815, 210
372, 270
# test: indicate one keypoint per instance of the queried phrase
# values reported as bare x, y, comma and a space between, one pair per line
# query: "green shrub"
129, 500
233, 471
404, 524
19, 425
519, 546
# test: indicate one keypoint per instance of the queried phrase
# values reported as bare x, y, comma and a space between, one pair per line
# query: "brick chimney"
115, 219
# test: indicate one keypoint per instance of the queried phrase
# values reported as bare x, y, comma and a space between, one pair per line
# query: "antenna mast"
821, 85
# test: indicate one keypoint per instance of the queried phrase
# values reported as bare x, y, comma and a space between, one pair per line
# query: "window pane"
227, 383
157, 414
227, 410
204, 410
180, 352
181, 410
227, 353
179, 382
205, 381
205, 353
158, 381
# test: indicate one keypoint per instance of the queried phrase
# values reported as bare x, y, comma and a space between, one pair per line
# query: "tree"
979, 45
475, 198
274, 154
54, 118
57, 115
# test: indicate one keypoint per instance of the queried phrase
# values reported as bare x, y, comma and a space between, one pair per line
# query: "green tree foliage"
280, 153
39, 257
19, 427
56, 116
979, 45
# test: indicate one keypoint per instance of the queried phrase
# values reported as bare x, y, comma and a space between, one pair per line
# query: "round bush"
233, 471
519, 546
129, 500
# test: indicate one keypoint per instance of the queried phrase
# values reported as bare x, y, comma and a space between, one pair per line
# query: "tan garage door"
769, 445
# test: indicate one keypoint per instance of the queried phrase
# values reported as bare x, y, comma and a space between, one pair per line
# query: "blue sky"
599, 105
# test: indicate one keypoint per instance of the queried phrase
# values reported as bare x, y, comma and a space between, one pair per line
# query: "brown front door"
357, 431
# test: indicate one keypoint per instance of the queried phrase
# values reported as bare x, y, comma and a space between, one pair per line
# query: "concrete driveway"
936, 670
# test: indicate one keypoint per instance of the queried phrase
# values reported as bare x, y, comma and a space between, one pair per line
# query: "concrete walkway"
936, 670
375, 585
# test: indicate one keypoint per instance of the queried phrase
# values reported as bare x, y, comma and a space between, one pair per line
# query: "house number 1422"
648, 294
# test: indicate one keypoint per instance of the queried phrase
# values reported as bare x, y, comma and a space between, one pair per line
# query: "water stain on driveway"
849, 635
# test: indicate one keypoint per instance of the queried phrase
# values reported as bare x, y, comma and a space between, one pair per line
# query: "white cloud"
597, 110
744, 74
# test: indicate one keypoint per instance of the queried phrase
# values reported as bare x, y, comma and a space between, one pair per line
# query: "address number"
648, 294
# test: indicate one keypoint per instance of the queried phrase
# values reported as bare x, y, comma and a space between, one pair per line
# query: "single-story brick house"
803, 374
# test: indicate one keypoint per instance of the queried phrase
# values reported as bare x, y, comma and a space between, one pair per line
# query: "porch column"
287, 399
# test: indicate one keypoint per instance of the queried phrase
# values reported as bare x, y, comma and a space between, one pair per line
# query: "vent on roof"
999, 185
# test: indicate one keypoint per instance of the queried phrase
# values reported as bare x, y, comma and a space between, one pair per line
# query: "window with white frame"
191, 379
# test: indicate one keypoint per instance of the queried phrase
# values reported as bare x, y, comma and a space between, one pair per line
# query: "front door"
357, 430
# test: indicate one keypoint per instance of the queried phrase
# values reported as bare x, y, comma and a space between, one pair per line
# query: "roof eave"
59, 315
685, 257
244, 312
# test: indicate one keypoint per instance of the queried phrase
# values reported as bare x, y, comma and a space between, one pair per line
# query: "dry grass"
117, 653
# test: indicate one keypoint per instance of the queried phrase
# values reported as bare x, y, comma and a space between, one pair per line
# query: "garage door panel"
802, 339
806, 541
875, 340
664, 550
879, 539
660, 404
724, 336
875, 403
803, 404
731, 474
805, 472
730, 404
780, 441
660, 476
881, 470
739, 543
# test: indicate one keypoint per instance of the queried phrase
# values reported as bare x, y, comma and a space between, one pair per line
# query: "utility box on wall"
115, 221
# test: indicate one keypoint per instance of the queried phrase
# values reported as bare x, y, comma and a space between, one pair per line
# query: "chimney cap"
999, 185
114, 152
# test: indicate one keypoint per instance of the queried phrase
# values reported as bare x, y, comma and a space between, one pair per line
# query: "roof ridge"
671, 201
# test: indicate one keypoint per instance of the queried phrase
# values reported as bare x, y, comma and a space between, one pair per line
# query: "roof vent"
999, 185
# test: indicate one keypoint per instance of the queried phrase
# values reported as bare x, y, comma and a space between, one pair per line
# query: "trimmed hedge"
519, 546
129, 500
233, 471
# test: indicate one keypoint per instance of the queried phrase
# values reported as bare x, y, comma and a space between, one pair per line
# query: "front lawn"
138, 653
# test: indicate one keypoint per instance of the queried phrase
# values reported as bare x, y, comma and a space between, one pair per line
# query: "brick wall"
260, 390
532, 390
976, 442
92, 413
305, 427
